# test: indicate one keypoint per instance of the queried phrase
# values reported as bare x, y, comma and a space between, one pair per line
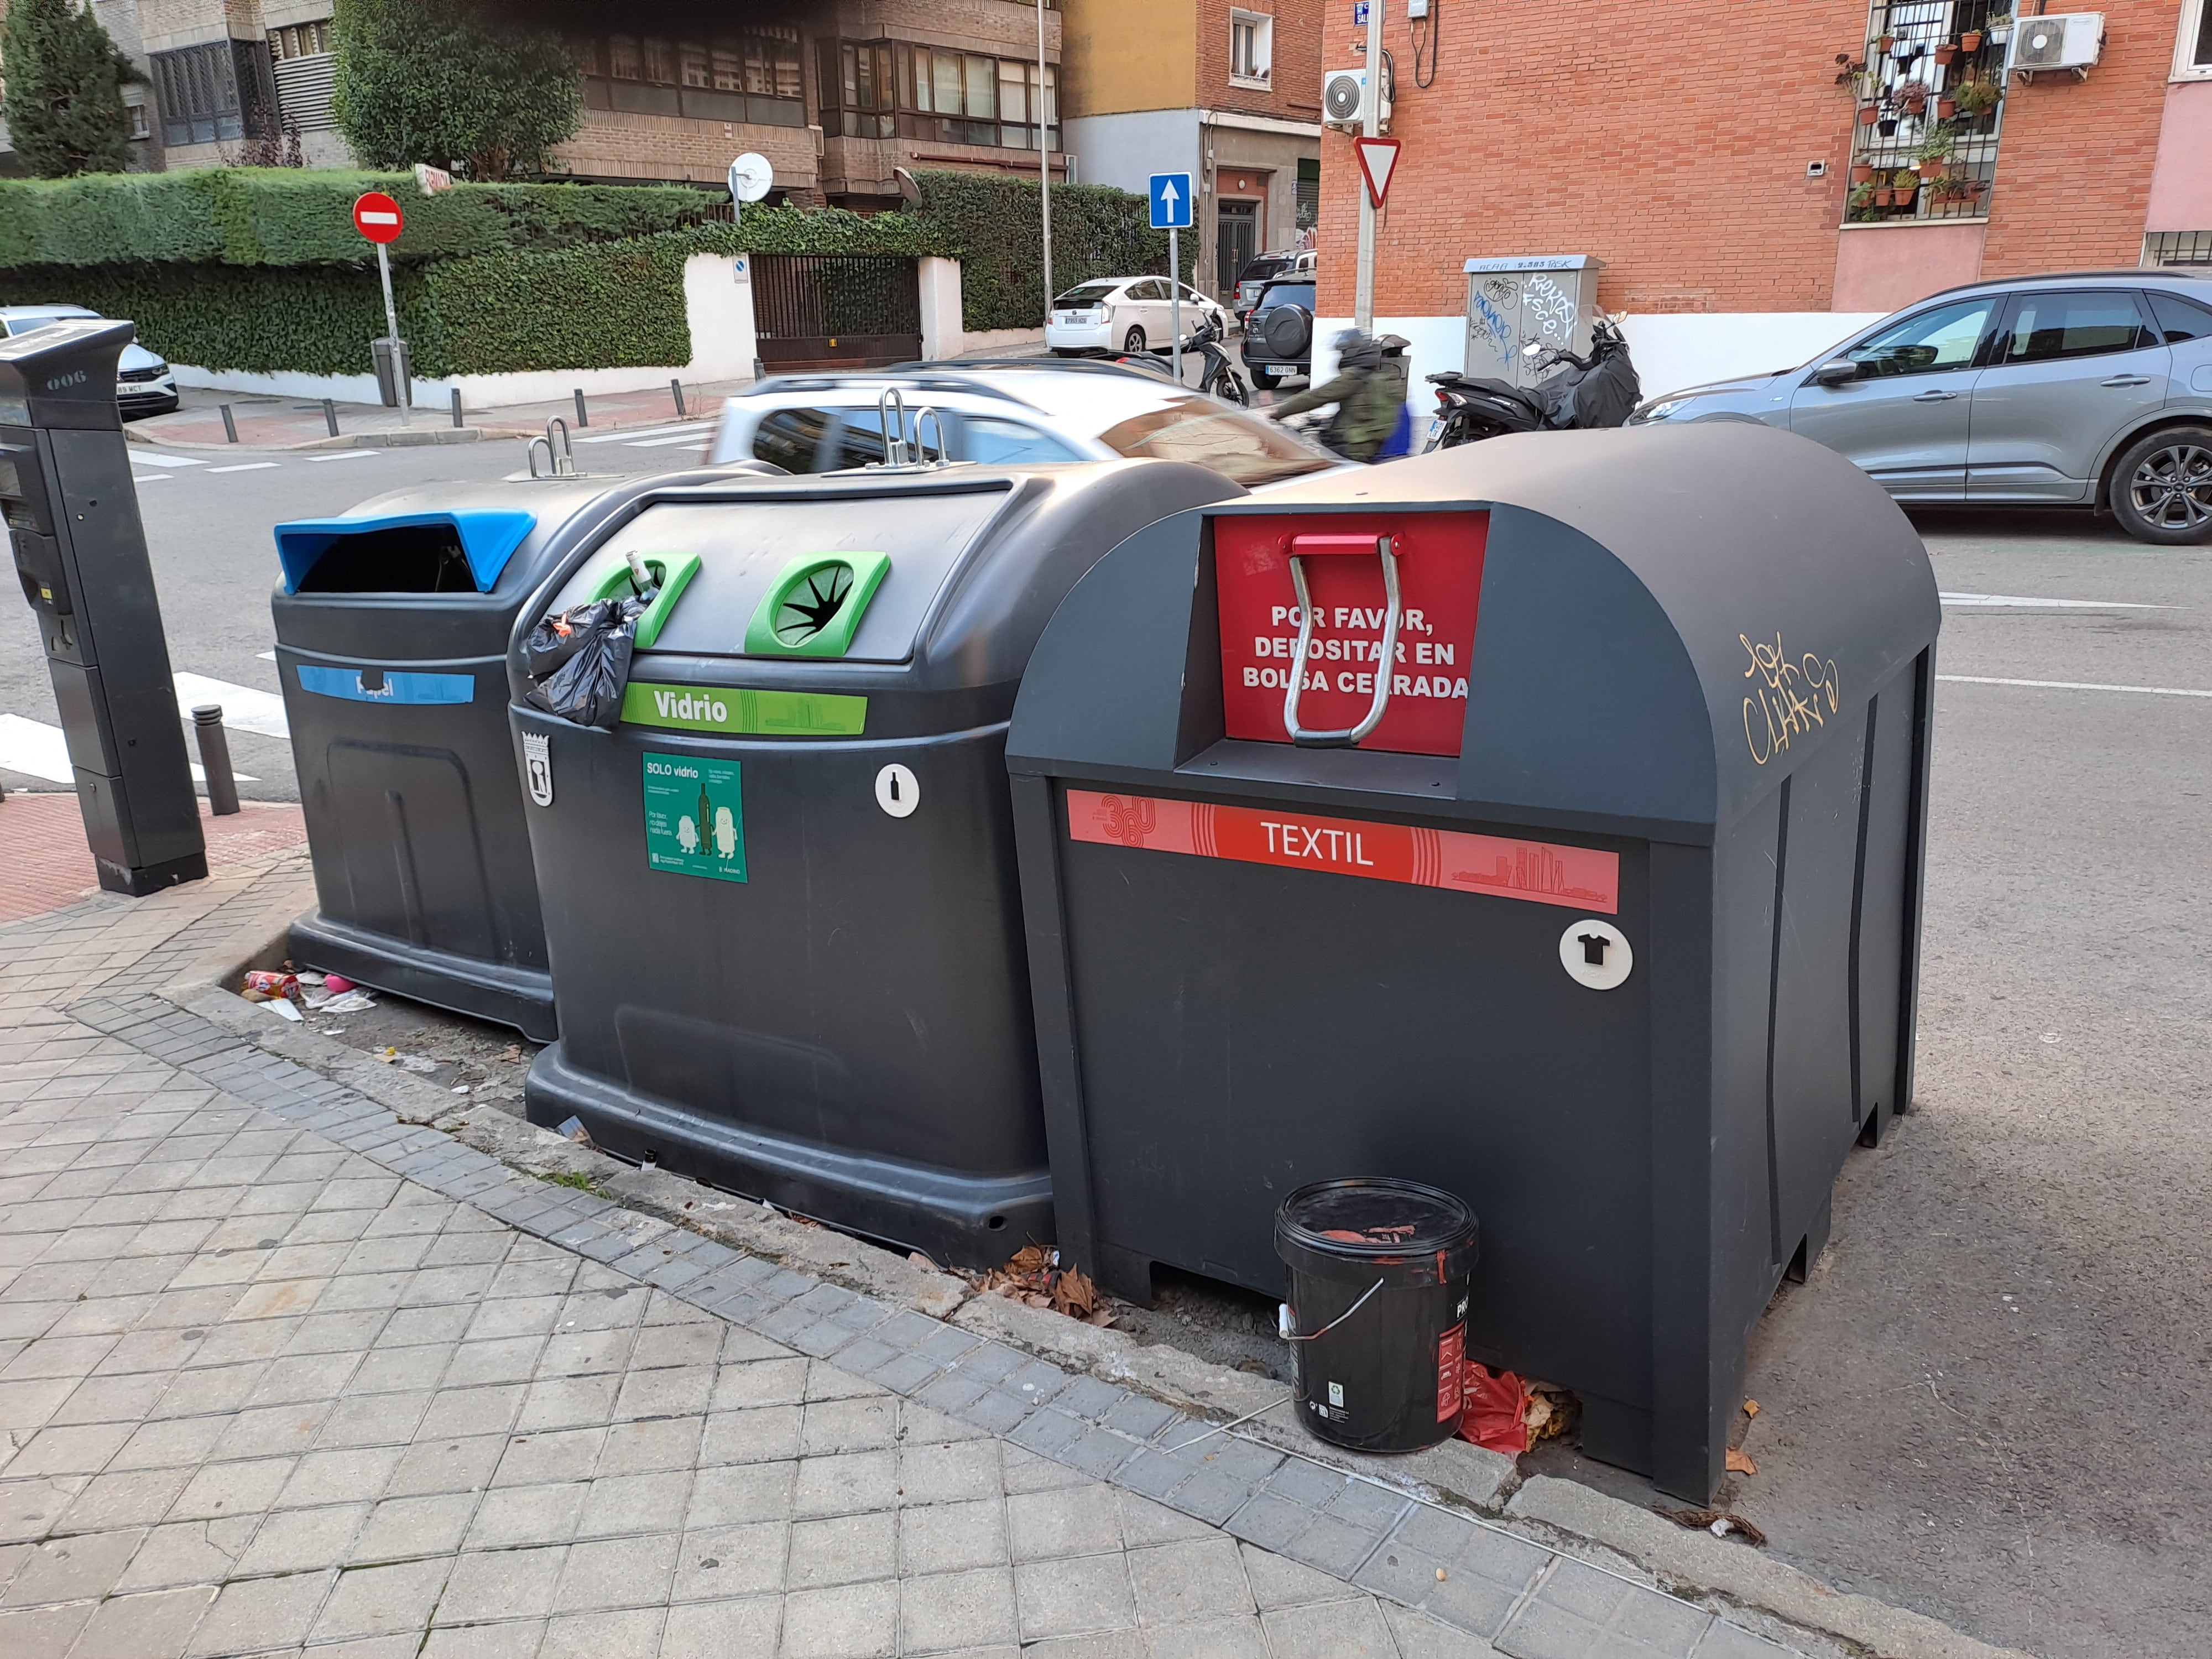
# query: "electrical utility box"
72, 513
1539, 300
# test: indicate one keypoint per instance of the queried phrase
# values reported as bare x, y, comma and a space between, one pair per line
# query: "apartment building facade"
1757, 175
1228, 91
841, 96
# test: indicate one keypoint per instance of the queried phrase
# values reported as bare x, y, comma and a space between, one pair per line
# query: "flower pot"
1882, 43
1947, 109
1887, 126
1945, 52
1971, 41
1868, 115
1882, 195
1931, 169
1999, 36
1861, 172
1903, 198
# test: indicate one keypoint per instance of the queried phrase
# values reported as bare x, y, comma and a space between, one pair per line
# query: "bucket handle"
1303, 547
1293, 1336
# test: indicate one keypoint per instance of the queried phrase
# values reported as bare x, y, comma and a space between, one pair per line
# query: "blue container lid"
489, 539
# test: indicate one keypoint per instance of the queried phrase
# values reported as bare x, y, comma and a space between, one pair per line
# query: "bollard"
676, 390
330, 417
214, 758
582, 419
457, 408
230, 426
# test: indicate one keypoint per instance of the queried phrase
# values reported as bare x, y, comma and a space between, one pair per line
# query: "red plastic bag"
1497, 1410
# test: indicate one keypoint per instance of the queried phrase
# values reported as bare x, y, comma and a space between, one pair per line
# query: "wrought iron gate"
835, 310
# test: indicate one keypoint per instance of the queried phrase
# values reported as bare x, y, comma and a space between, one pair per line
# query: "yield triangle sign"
1378, 159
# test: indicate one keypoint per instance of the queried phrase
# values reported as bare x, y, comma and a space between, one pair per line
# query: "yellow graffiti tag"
1791, 698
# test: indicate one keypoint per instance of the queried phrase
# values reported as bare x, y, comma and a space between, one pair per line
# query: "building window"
135, 108
300, 40
1251, 47
2177, 248
214, 92
877, 89
755, 77
2192, 55
1930, 110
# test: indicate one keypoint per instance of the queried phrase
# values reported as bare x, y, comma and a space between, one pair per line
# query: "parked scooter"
1596, 391
1217, 377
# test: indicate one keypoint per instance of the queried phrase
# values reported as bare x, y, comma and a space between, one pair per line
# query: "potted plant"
1882, 42
1907, 185
1978, 97
1861, 172
1887, 126
1883, 195
1868, 114
1862, 204
1999, 29
1934, 149
1971, 41
1912, 97
1947, 108
1945, 53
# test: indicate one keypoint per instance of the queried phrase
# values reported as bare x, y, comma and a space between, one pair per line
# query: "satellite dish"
749, 176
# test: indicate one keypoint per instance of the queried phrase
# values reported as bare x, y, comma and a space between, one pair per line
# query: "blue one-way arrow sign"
1170, 201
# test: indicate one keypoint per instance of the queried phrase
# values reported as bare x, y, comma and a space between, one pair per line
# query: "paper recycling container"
392, 624
781, 897
1608, 925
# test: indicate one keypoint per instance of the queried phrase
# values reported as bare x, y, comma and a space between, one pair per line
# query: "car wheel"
2162, 488
1266, 380
1133, 340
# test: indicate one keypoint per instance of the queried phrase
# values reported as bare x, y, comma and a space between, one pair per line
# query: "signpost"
1170, 194
1370, 126
377, 216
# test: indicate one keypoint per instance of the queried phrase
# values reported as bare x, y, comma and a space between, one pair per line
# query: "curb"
403, 438
1728, 1578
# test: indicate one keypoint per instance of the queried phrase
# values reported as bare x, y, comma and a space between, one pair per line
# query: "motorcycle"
1216, 376
1597, 390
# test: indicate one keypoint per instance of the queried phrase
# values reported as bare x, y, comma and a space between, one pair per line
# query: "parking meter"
72, 516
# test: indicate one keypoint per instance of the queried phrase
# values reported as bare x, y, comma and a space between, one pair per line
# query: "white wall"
1126, 150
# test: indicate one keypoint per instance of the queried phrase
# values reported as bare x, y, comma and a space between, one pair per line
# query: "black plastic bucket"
1378, 1278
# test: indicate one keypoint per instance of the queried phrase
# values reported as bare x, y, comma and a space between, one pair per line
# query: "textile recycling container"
781, 897
1608, 925
392, 623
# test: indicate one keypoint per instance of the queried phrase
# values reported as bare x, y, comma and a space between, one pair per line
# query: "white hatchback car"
144, 384
1008, 412
1126, 313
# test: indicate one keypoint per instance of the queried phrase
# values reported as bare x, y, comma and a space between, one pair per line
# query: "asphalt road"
209, 515
1989, 1403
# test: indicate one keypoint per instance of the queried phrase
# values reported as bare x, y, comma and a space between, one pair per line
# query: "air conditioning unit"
2063, 41
1344, 98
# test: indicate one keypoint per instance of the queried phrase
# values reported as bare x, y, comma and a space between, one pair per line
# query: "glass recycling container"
392, 623
779, 895
1539, 819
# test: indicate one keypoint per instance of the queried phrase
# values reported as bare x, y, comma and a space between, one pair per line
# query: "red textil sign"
1542, 872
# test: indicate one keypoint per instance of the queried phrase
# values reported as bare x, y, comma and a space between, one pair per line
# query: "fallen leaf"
1751, 1408
1739, 1462
1102, 1319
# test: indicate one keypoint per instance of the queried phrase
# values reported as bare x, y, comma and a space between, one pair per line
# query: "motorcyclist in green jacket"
1369, 390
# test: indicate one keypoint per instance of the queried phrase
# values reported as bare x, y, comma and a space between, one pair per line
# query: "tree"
62, 99
433, 81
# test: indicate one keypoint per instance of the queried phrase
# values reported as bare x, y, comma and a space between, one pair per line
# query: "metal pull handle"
2127, 379
1302, 547
1934, 397
890, 415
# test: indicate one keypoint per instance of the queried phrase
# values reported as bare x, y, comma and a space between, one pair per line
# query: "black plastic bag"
581, 660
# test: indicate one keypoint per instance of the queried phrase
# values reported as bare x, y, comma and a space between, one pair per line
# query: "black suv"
1278, 333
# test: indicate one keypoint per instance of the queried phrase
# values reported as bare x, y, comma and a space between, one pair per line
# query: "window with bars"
1929, 88
300, 40
216, 92
2177, 248
756, 76
879, 89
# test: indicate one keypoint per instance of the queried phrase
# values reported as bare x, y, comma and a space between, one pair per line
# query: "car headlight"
1665, 410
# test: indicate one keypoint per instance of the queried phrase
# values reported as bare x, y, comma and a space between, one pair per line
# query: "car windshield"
1238, 446
1288, 294
1085, 294
24, 322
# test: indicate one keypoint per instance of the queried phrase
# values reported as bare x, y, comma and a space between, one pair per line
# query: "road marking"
2073, 685
151, 478
244, 709
2022, 602
152, 458
39, 750
343, 455
695, 439
266, 656
244, 466
618, 437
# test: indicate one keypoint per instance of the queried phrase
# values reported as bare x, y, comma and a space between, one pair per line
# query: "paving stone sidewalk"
281, 1374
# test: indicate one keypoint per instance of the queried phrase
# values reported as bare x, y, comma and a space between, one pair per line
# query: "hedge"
602, 304
995, 223
285, 216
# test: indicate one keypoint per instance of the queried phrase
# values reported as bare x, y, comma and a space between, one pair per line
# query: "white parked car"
1010, 412
145, 384
1125, 314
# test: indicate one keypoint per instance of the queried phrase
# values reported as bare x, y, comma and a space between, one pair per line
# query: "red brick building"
1712, 155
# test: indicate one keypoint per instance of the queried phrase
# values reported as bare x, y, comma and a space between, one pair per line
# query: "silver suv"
2093, 389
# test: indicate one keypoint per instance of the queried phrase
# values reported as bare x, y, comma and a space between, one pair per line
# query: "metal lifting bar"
1386, 551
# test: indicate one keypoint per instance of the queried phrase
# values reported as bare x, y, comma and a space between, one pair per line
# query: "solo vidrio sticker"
695, 818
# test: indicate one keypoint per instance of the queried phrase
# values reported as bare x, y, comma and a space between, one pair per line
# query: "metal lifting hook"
1386, 550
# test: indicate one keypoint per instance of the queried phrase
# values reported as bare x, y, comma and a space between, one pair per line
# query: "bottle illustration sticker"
695, 816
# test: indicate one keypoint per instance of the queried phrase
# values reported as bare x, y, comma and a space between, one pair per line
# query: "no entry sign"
376, 217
